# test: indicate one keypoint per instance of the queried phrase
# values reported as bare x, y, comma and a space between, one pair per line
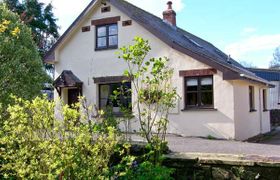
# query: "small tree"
21, 70
275, 63
154, 94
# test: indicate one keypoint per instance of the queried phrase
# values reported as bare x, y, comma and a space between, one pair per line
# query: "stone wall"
225, 167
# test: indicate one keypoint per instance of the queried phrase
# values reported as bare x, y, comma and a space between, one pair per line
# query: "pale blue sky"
248, 30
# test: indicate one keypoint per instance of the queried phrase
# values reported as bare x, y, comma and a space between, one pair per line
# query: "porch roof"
67, 79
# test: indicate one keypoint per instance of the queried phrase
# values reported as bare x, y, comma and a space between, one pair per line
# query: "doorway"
73, 96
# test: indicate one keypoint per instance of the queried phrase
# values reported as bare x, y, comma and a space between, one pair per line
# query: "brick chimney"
169, 15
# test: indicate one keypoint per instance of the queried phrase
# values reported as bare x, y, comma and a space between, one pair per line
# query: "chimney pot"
169, 15
169, 3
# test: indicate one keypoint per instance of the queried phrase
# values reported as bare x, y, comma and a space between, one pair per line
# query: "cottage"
219, 96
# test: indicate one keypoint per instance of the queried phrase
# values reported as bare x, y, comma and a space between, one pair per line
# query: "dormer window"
107, 36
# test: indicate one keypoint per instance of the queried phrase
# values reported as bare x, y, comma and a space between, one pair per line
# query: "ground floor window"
264, 99
252, 98
199, 92
108, 97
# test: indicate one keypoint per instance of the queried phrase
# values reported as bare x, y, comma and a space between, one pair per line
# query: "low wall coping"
226, 159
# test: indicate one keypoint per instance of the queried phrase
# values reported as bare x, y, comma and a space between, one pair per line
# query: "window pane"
101, 42
191, 99
126, 98
113, 29
264, 99
104, 95
104, 91
192, 84
206, 84
104, 103
101, 31
206, 81
206, 98
113, 40
251, 97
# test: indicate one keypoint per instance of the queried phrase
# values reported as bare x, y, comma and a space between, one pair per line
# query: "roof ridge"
265, 69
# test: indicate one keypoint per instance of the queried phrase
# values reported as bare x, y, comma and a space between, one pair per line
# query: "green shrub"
148, 171
21, 70
37, 145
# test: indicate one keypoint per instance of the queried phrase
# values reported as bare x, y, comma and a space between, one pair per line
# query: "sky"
248, 30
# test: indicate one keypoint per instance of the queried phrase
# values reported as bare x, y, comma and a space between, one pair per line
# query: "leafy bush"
21, 70
135, 163
37, 145
147, 171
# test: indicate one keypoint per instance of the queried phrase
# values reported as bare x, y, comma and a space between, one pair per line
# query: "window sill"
199, 109
253, 110
121, 115
106, 48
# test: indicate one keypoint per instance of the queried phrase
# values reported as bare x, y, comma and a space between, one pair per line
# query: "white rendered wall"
248, 124
78, 55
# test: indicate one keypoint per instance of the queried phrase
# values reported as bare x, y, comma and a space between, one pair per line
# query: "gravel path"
267, 147
199, 145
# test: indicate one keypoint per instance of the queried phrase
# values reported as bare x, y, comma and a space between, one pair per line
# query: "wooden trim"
197, 72
105, 9
127, 23
85, 28
49, 58
110, 79
103, 21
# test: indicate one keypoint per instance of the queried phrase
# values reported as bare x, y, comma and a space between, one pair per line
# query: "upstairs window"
199, 92
107, 36
252, 98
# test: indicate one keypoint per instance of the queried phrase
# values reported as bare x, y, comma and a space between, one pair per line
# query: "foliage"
134, 166
275, 63
38, 145
147, 171
40, 18
21, 70
155, 96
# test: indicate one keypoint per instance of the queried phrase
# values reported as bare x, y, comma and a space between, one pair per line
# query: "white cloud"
66, 11
248, 30
253, 44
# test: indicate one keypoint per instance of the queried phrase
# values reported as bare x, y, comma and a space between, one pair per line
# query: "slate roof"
268, 74
67, 79
180, 40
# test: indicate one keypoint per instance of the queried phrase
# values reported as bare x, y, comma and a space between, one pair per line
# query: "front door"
73, 96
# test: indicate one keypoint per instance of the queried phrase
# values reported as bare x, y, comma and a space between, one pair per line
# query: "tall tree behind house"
40, 18
275, 63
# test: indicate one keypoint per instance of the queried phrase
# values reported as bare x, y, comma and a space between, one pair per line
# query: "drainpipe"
260, 109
